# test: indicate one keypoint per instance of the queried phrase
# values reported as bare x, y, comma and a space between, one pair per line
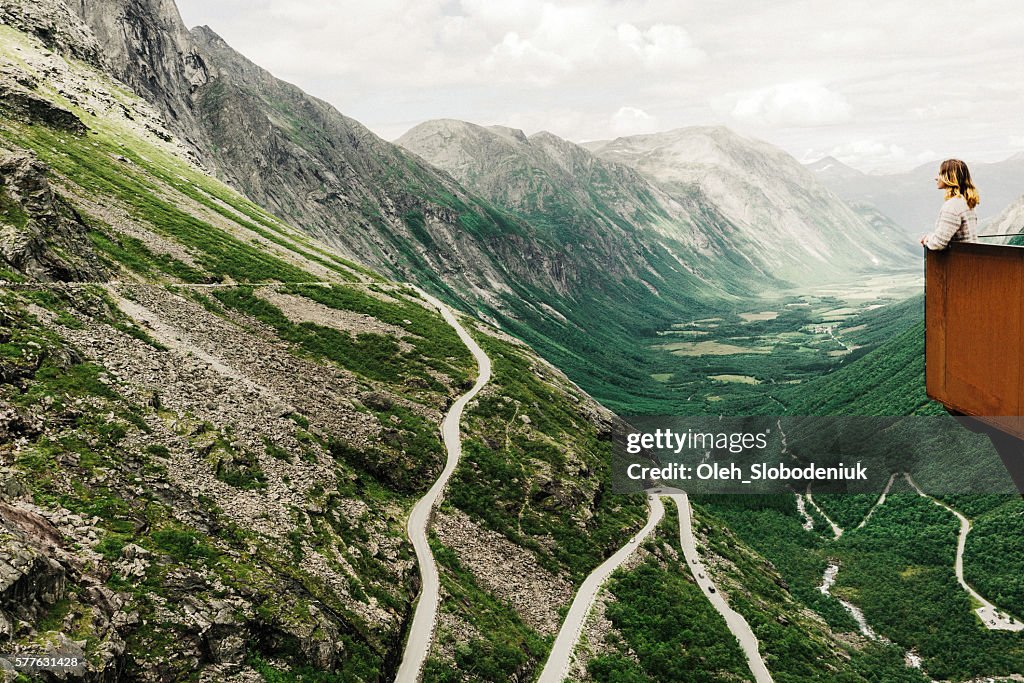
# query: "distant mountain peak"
830, 168
824, 162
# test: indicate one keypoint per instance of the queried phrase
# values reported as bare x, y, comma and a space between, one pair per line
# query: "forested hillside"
896, 567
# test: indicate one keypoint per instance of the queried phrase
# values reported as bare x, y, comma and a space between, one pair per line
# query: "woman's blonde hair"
954, 175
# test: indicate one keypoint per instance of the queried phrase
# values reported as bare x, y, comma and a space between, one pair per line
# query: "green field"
760, 352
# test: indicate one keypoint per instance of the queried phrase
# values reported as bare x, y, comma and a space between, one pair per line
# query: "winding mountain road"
989, 615
736, 623
837, 530
879, 502
421, 633
558, 661
561, 652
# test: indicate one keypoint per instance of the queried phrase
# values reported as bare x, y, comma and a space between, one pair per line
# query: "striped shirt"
957, 223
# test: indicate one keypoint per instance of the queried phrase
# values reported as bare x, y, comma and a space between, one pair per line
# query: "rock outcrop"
54, 22
18, 101
42, 576
41, 236
31, 580
146, 46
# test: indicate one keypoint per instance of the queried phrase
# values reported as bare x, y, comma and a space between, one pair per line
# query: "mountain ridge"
784, 215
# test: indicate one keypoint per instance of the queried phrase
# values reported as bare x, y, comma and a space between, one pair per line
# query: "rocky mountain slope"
1010, 221
785, 220
206, 462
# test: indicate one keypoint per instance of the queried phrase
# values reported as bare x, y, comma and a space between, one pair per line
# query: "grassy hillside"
883, 375
886, 381
654, 623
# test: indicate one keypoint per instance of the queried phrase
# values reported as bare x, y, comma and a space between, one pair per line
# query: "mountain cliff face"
787, 220
54, 23
146, 46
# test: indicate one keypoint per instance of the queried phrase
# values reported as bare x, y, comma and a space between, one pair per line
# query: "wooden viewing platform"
974, 332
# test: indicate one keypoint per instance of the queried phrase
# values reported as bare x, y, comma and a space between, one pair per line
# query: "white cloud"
850, 38
663, 46
792, 104
517, 59
431, 43
804, 75
586, 41
633, 121
947, 110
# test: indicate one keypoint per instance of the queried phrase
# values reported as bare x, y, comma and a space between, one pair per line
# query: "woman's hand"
924, 239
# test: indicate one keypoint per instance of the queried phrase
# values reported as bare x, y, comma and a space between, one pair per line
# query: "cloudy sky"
881, 85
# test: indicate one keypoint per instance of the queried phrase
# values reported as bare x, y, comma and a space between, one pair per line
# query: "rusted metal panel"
974, 321
935, 325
